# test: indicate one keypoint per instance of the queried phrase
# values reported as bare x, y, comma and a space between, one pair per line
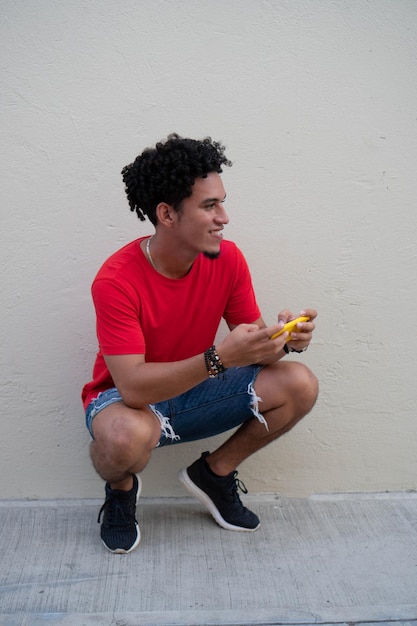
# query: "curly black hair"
167, 173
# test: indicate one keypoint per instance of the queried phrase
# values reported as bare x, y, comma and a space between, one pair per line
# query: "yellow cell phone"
289, 327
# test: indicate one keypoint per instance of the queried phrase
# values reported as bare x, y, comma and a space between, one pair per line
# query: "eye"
212, 204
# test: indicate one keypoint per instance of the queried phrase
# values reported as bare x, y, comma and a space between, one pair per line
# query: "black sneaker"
219, 495
120, 531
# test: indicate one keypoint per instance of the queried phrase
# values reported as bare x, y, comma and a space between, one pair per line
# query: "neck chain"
148, 252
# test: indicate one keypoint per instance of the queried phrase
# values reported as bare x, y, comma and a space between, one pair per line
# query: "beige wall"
316, 102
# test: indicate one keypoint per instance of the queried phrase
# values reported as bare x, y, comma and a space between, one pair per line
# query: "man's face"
202, 217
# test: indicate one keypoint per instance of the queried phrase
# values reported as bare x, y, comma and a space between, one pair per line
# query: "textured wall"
316, 102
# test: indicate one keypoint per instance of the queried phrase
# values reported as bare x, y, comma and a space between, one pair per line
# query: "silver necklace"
148, 252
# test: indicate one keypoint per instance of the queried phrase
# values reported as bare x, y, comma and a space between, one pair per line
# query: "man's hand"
300, 337
247, 344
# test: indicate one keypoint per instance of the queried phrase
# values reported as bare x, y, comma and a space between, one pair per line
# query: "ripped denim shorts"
212, 407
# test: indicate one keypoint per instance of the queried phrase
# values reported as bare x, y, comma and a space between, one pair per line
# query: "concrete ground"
319, 560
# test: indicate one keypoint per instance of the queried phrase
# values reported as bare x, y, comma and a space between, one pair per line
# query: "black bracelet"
213, 362
287, 350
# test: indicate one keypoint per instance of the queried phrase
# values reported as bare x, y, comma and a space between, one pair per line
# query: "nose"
221, 215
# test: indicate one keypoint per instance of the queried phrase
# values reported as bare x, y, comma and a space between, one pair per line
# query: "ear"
165, 214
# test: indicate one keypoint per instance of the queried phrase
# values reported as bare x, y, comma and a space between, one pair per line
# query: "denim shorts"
212, 407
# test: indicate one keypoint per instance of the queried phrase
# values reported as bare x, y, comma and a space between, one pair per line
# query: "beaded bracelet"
213, 362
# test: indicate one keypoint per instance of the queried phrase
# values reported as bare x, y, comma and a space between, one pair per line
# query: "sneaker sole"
209, 504
138, 538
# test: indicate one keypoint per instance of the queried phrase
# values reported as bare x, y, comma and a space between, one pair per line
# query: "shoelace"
115, 514
236, 485
239, 483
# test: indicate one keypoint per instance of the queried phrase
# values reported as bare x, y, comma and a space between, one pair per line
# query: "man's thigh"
213, 407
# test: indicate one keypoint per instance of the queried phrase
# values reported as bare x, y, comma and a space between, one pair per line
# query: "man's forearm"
148, 383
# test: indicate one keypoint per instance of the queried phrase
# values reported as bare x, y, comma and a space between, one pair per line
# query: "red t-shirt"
139, 311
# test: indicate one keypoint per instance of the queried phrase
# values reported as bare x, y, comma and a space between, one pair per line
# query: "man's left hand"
301, 336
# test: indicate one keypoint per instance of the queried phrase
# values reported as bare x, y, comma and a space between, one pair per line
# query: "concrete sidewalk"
326, 560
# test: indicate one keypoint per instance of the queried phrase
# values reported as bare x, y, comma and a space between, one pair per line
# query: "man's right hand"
248, 344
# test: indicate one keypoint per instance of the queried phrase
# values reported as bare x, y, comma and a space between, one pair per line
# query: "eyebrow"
208, 200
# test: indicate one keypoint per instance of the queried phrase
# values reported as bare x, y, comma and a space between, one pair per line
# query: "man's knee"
306, 385
287, 381
120, 428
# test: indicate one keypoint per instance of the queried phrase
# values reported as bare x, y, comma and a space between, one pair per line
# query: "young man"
158, 379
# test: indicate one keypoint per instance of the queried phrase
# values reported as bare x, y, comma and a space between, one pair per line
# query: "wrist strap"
287, 350
213, 362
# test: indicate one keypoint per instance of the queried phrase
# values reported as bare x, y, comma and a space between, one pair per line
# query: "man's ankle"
218, 470
125, 484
